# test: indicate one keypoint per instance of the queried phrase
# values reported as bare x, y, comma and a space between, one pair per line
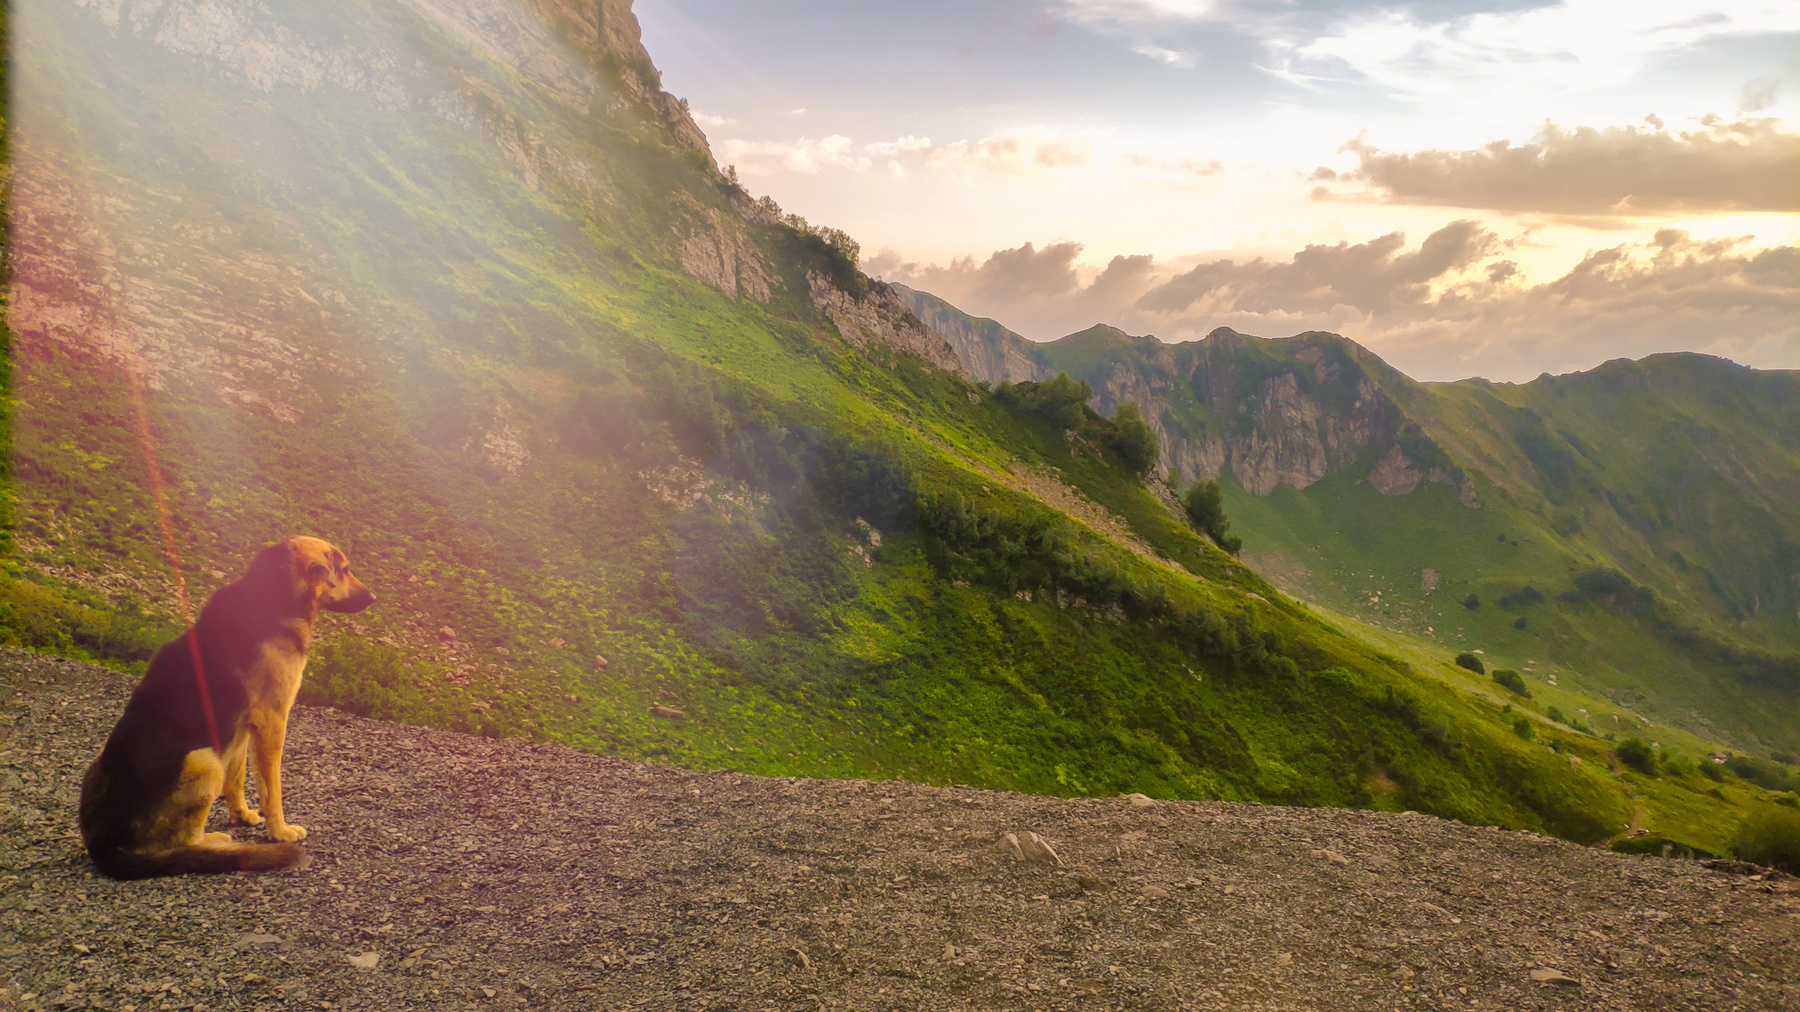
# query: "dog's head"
318, 572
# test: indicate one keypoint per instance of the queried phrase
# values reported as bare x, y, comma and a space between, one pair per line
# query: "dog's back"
170, 737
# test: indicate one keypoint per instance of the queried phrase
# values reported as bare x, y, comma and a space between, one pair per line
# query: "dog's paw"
247, 817
289, 833
215, 839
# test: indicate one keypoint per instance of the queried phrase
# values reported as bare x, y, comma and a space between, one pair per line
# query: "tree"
1134, 440
1061, 398
1472, 662
1205, 506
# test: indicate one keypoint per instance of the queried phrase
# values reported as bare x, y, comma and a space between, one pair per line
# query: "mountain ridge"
1289, 413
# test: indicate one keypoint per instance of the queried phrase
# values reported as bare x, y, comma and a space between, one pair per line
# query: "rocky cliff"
1268, 413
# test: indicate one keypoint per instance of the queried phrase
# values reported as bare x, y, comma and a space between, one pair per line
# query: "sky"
1467, 188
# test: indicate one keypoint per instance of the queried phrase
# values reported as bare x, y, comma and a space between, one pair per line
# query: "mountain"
637, 462
1629, 529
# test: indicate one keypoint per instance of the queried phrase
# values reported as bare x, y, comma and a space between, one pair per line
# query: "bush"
1660, 846
1512, 680
1637, 755
1764, 774
1524, 597
1520, 623
1206, 511
1472, 662
1472, 602
1133, 440
1523, 727
1711, 771
1770, 836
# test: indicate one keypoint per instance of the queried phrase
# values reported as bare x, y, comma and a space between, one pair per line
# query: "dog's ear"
320, 572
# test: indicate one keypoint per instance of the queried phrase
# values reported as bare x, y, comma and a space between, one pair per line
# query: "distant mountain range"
1664, 488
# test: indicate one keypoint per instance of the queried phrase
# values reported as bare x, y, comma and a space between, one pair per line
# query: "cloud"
1023, 151
1039, 292
1549, 49
1454, 305
804, 155
1745, 164
1372, 276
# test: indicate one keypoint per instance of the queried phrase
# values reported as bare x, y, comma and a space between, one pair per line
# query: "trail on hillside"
467, 873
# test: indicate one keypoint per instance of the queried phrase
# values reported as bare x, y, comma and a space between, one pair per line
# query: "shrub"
1770, 836
1524, 597
1637, 755
1472, 602
1660, 846
1523, 727
1512, 680
1133, 440
1206, 511
1472, 662
1520, 623
1556, 714
1763, 773
1711, 771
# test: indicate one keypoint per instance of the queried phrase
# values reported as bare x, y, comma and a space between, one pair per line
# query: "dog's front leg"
268, 734
235, 764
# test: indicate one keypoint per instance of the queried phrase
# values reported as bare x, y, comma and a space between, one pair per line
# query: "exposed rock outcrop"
991, 353
715, 249
880, 318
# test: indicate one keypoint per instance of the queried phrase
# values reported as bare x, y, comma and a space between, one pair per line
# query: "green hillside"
637, 462
1627, 531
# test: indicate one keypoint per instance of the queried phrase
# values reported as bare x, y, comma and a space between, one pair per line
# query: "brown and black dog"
221, 690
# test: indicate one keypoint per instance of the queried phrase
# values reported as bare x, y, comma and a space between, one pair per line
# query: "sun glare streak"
111, 283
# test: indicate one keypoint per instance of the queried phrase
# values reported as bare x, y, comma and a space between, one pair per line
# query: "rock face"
1284, 412
990, 353
880, 318
438, 875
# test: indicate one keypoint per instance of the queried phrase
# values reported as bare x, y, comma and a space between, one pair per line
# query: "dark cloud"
1039, 290
1744, 164
1455, 305
1370, 276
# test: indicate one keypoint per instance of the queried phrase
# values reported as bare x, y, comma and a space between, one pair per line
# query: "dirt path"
481, 874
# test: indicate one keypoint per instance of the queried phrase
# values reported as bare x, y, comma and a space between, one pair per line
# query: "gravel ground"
463, 873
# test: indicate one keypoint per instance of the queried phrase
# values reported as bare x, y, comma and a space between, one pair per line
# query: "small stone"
1032, 848
1155, 893
1141, 801
488, 992
666, 712
800, 959
1284, 959
1331, 855
1545, 975
599, 661
949, 952
84, 950
555, 641
365, 960
447, 634
251, 940
573, 698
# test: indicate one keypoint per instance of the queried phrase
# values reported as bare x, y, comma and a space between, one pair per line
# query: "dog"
213, 698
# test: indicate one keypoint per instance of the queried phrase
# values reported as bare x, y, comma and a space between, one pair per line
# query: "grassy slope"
1676, 472
469, 289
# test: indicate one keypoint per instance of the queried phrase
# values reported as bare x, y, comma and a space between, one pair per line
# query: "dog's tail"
215, 859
